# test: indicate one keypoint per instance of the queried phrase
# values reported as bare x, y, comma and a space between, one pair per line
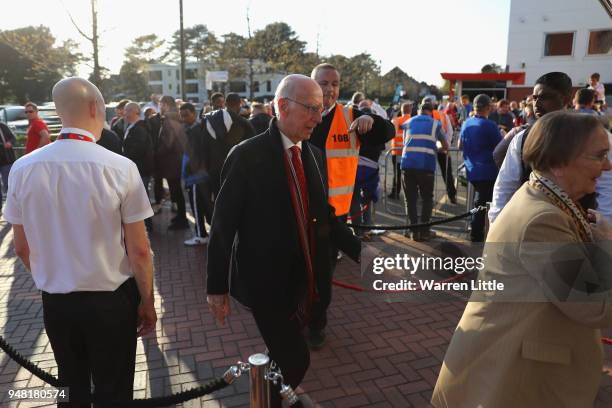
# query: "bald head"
79, 104
299, 103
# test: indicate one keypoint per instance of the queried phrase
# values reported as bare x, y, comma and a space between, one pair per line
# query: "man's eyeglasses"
315, 110
29, 111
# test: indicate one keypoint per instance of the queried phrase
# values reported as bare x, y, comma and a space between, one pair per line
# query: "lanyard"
74, 136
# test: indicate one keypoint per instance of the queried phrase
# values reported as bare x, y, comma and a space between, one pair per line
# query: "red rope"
359, 214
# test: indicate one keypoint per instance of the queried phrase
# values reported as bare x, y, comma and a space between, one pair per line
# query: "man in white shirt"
77, 211
552, 92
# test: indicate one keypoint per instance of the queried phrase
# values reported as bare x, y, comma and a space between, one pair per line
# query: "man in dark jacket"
273, 198
110, 141
7, 155
118, 124
259, 118
168, 137
137, 146
195, 176
224, 129
327, 136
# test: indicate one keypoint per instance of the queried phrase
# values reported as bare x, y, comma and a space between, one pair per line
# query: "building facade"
572, 36
164, 79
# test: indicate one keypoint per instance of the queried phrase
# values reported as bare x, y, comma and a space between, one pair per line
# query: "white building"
164, 79
572, 36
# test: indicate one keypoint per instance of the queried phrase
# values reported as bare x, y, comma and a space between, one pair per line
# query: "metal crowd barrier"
456, 158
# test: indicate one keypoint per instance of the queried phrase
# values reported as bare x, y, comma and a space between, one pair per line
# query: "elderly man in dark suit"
273, 225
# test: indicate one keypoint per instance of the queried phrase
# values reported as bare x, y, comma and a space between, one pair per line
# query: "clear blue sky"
423, 38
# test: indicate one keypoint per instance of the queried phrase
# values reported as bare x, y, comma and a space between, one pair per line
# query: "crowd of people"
272, 189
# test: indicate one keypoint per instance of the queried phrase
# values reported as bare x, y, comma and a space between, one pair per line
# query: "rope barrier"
166, 400
473, 211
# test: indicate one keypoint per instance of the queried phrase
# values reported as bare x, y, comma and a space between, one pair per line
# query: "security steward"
397, 145
339, 135
419, 165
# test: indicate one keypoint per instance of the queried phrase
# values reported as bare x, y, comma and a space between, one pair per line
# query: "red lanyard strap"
74, 136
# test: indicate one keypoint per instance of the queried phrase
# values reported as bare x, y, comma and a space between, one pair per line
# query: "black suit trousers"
93, 337
286, 347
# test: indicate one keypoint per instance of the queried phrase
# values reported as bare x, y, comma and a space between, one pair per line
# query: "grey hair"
133, 105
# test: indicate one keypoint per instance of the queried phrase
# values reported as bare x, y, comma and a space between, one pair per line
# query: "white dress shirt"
509, 177
72, 197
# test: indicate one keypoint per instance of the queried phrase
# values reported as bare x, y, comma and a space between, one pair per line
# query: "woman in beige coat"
537, 343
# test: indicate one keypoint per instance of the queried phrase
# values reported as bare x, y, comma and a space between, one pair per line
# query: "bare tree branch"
74, 23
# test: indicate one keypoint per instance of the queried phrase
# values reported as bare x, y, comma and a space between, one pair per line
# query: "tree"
146, 49
98, 70
233, 54
278, 45
31, 63
491, 68
200, 44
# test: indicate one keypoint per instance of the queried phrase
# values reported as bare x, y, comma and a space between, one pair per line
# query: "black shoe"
453, 200
179, 224
315, 339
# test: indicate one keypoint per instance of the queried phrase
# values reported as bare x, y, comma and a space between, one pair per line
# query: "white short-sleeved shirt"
72, 198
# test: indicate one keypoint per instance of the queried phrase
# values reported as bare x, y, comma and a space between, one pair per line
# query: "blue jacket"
479, 136
420, 135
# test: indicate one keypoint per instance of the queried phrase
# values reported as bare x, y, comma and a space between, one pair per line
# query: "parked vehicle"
15, 118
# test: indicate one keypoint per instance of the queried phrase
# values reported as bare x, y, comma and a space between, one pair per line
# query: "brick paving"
379, 353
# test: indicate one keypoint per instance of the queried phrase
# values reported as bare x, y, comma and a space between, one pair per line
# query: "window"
155, 75
268, 86
177, 74
170, 86
558, 44
237, 86
600, 42
156, 89
255, 86
191, 88
191, 73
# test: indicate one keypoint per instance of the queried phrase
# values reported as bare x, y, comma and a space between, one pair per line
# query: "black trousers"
446, 166
483, 194
176, 194
418, 183
93, 337
396, 160
318, 318
286, 347
201, 205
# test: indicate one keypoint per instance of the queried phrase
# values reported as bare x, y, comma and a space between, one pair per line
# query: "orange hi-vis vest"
440, 118
342, 151
397, 145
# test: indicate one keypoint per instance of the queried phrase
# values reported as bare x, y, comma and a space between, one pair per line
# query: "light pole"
182, 34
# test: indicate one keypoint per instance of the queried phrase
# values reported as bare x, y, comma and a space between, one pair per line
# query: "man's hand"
362, 124
147, 318
8, 145
219, 306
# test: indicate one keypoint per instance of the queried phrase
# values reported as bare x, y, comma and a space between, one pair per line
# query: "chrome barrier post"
486, 231
469, 203
260, 386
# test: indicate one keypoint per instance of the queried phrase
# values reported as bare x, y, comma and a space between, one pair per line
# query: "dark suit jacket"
110, 141
138, 148
254, 228
216, 149
260, 122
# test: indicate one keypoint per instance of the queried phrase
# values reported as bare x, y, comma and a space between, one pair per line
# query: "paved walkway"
381, 353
